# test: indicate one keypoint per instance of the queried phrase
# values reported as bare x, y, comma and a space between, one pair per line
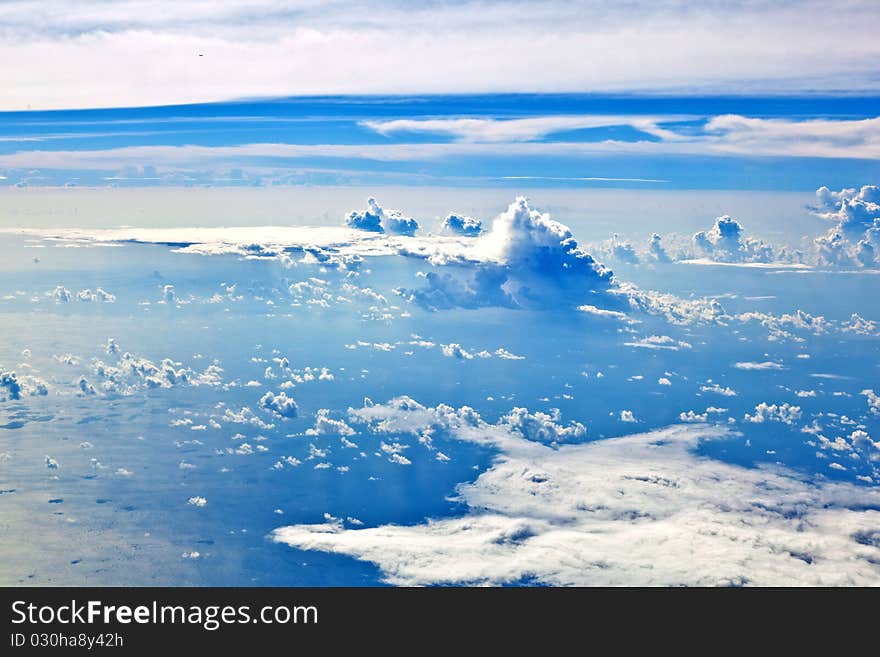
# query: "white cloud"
325, 425
525, 259
726, 242
542, 427
513, 130
719, 390
855, 237
459, 224
455, 350
13, 386
625, 511
659, 342
137, 53
764, 412
279, 404
763, 365
376, 219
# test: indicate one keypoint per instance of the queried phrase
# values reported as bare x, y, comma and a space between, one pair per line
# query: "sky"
459, 293
147, 52
666, 95
486, 140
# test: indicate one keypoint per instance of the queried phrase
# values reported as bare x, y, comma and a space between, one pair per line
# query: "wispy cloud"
728, 135
516, 130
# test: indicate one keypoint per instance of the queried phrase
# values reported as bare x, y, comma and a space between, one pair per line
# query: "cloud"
259, 49
462, 225
659, 342
726, 242
327, 426
542, 427
873, 401
763, 365
183, 164
656, 250
525, 259
719, 390
376, 219
764, 412
625, 511
100, 294
741, 135
61, 294
855, 237
491, 130
14, 387
623, 251
279, 404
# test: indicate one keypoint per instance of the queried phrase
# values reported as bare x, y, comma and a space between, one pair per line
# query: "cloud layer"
637, 510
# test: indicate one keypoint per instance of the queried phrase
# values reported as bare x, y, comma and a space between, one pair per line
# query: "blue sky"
576, 140
732, 95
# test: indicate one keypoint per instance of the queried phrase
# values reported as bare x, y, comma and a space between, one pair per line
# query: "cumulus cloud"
624, 511
726, 242
326, 425
279, 404
525, 259
459, 224
377, 219
13, 387
542, 427
764, 412
855, 236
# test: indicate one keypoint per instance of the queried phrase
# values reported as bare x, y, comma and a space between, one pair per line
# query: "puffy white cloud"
627, 416
855, 236
726, 242
718, 390
785, 413
325, 425
455, 350
14, 387
377, 219
625, 511
459, 224
279, 404
197, 501
131, 372
542, 427
873, 401
525, 259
